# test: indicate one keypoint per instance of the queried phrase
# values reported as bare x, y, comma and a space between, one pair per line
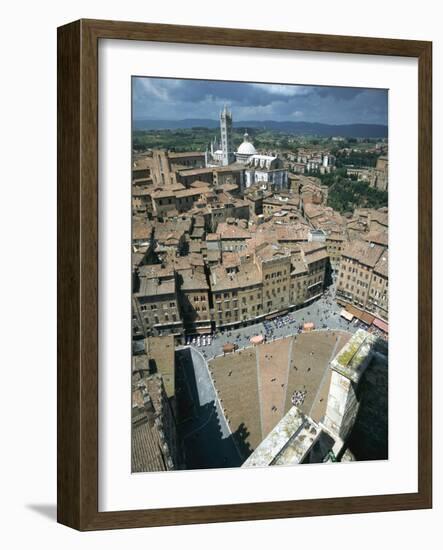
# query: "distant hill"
301, 128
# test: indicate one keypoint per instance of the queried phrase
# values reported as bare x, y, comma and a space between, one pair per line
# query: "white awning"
348, 316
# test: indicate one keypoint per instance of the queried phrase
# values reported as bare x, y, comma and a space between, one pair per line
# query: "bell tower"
226, 136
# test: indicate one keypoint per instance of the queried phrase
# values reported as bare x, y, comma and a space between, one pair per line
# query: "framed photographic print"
244, 275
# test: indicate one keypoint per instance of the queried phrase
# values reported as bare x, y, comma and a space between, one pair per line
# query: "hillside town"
231, 244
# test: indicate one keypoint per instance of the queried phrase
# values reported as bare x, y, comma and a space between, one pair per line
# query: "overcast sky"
175, 99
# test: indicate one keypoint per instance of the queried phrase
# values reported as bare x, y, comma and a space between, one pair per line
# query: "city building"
155, 445
237, 236
194, 301
237, 292
155, 308
363, 277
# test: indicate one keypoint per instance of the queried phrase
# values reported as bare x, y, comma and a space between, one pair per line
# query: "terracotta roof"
140, 191
231, 259
161, 349
156, 271
142, 163
186, 154
193, 280
292, 232
189, 193
141, 231
382, 266
154, 287
377, 237
248, 275
364, 252
195, 171
196, 184
232, 231
146, 444
164, 193
380, 217
313, 251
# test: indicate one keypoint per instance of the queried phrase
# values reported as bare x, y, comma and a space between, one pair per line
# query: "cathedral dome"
246, 148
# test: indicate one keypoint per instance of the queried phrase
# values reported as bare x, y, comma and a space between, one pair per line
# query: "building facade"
363, 277
155, 309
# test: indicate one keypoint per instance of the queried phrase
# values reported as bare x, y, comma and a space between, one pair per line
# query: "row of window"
154, 307
378, 294
276, 275
275, 290
361, 283
166, 319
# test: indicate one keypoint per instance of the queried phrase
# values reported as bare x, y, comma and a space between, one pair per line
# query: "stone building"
188, 159
170, 242
155, 308
290, 235
274, 204
161, 170
186, 198
236, 292
376, 177
335, 243
308, 273
189, 176
379, 176
164, 203
363, 277
142, 233
141, 167
221, 209
274, 263
162, 166
142, 201
378, 298
299, 280
315, 257
155, 445
194, 301
233, 235
232, 174
151, 440
254, 196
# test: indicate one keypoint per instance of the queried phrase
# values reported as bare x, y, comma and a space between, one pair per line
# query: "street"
324, 313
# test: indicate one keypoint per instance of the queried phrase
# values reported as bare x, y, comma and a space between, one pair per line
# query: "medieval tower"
226, 136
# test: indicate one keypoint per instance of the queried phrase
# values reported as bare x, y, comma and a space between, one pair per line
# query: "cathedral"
265, 170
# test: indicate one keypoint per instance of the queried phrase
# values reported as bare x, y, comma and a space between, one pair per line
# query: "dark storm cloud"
156, 98
337, 93
207, 90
